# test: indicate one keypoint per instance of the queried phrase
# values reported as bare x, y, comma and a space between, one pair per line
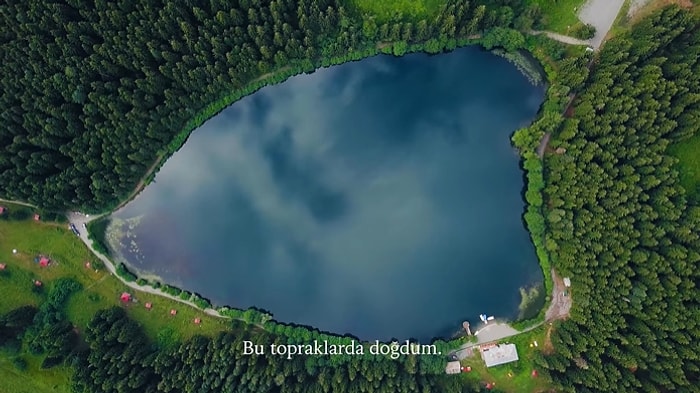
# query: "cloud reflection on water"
361, 198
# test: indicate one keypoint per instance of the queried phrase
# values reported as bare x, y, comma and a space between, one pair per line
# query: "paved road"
601, 14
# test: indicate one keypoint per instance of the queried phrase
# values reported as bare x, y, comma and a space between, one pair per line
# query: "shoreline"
215, 108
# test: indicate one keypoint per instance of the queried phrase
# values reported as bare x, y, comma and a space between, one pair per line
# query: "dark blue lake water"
380, 198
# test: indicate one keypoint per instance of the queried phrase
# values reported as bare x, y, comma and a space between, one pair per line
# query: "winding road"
81, 220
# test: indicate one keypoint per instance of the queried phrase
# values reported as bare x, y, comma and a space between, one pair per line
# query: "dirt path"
560, 306
558, 309
17, 203
561, 38
543, 144
636, 5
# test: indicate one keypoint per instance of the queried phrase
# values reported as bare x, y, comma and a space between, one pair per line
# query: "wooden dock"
465, 325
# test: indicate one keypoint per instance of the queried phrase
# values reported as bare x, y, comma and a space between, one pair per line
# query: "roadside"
561, 300
601, 14
561, 38
636, 5
559, 308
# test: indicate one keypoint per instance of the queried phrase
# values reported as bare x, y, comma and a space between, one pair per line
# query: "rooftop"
453, 368
499, 354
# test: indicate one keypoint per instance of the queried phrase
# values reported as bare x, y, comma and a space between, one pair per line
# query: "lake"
380, 198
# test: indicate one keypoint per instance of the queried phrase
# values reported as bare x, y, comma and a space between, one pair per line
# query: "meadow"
559, 16
69, 258
386, 10
689, 164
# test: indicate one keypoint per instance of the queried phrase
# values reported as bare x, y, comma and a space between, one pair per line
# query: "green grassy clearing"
560, 16
512, 377
385, 10
100, 290
688, 153
33, 379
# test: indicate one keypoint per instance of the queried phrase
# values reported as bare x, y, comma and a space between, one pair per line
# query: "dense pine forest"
618, 221
121, 360
94, 93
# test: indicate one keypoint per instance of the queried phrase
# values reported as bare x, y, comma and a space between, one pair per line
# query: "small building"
567, 282
125, 297
453, 368
499, 354
43, 261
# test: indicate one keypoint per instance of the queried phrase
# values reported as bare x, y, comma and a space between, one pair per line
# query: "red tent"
2, 266
148, 306
87, 265
534, 373
43, 262
37, 283
2, 209
125, 297
197, 321
489, 386
36, 217
173, 312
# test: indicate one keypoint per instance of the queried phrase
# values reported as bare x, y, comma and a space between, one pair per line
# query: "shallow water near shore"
380, 198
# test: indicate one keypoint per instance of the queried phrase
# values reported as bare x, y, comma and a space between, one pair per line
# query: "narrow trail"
543, 145
562, 38
601, 14
80, 220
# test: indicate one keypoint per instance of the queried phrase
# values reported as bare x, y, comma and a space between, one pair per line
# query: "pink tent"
43, 262
125, 297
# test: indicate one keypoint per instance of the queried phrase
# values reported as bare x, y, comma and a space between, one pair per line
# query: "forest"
97, 93
619, 223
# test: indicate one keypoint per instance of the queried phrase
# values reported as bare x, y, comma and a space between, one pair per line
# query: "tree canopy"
97, 93
618, 222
